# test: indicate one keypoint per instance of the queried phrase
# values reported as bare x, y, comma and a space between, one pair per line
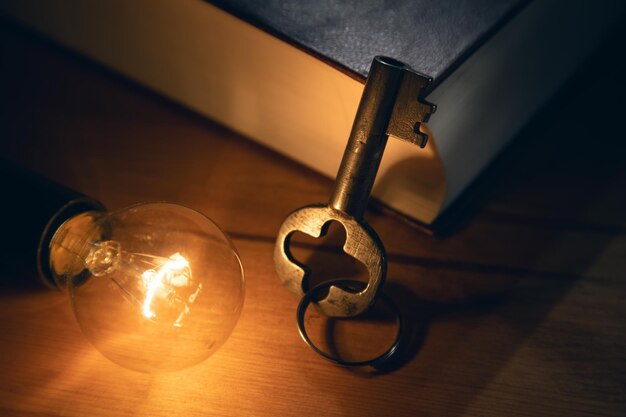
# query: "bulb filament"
165, 288
175, 272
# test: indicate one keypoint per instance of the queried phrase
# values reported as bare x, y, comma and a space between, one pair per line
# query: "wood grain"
518, 313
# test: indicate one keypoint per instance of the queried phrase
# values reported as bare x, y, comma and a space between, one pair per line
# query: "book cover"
433, 37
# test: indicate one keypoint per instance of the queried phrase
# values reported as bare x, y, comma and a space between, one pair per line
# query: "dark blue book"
289, 73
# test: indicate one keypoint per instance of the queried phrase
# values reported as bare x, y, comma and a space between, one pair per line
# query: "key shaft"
368, 138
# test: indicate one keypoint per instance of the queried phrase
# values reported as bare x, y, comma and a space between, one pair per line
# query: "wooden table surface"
519, 312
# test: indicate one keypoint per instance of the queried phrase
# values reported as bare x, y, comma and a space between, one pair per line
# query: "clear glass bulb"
154, 286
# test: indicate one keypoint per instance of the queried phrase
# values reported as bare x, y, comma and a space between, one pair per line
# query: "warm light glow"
162, 283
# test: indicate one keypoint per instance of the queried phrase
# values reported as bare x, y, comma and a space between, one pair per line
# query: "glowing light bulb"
154, 286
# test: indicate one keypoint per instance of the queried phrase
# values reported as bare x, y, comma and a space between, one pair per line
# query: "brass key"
389, 105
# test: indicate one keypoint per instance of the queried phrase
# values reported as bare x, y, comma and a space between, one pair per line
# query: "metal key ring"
351, 285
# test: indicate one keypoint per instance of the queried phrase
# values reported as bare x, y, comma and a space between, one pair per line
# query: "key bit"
391, 104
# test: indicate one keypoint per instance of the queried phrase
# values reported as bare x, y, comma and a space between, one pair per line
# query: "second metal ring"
351, 285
